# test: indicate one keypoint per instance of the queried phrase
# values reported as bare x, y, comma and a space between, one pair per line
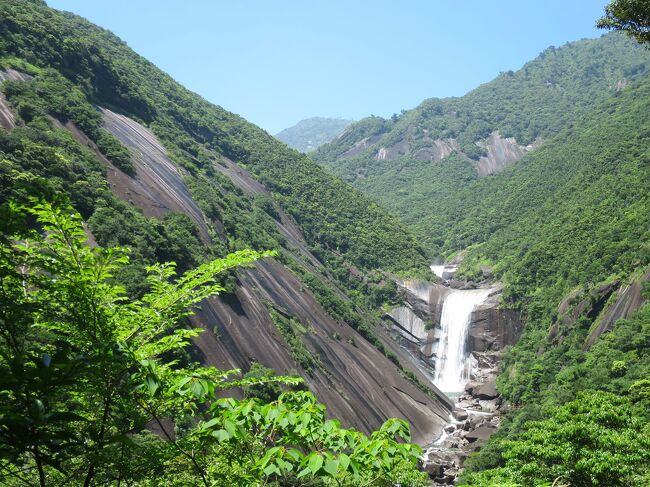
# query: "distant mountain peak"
310, 133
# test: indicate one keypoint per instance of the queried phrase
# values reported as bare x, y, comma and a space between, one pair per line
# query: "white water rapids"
453, 365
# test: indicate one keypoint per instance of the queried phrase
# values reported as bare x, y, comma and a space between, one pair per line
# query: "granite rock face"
239, 328
7, 117
493, 327
627, 301
425, 298
501, 153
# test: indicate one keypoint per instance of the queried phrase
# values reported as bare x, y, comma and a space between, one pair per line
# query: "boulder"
476, 420
434, 469
456, 284
489, 405
436, 462
487, 271
460, 414
487, 391
482, 433
451, 472
449, 443
469, 388
459, 457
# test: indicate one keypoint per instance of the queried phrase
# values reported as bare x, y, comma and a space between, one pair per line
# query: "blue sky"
276, 62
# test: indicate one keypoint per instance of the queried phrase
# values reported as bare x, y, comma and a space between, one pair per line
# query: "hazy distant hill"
311, 133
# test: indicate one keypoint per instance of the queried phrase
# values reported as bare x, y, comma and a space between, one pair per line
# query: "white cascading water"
453, 365
444, 271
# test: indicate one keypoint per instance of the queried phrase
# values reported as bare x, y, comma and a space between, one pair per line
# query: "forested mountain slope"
412, 162
568, 229
155, 167
311, 133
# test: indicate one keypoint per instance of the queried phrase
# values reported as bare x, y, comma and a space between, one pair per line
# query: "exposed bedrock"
425, 298
492, 327
358, 384
627, 300
500, 152
7, 117
158, 185
360, 146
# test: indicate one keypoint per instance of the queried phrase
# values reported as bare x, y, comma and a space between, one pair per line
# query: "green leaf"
344, 461
152, 384
221, 435
197, 389
305, 471
315, 463
331, 467
271, 469
211, 423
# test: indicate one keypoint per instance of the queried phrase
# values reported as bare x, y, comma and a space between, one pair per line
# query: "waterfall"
453, 366
444, 271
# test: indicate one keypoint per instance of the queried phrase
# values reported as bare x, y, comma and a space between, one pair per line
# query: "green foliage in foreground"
91, 390
629, 16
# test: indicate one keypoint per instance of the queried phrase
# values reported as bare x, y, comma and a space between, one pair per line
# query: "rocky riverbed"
455, 332
476, 416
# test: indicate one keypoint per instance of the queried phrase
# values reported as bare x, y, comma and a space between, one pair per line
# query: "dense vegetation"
561, 223
87, 378
313, 132
537, 101
598, 437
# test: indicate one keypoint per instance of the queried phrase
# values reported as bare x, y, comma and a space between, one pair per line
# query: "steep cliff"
239, 328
